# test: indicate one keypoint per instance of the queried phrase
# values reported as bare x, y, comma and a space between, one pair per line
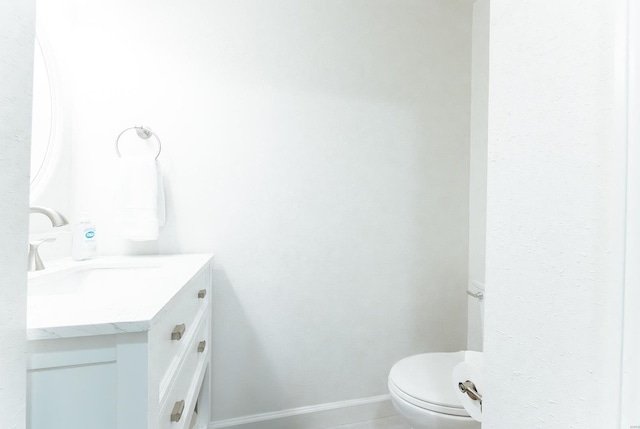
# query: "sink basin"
92, 277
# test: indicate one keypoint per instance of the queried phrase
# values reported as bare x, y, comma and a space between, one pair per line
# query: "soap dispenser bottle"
84, 239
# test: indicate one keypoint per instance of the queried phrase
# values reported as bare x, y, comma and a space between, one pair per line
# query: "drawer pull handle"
178, 332
201, 346
176, 414
202, 293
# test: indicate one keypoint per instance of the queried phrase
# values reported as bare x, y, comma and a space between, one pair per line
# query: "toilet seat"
424, 380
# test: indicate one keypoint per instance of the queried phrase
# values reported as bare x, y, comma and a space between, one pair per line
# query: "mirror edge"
39, 181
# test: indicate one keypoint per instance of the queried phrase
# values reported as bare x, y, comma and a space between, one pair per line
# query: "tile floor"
393, 422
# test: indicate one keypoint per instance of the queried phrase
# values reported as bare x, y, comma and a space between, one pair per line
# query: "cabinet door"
82, 396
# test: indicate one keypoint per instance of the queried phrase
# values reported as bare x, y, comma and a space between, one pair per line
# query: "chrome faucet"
57, 220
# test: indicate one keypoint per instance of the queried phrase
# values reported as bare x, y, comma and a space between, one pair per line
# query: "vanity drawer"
172, 332
183, 393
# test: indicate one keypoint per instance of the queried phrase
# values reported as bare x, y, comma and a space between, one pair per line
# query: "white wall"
630, 396
555, 216
17, 29
320, 149
478, 167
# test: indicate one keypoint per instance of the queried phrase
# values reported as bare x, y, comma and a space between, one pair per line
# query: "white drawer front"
169, 337
186, 385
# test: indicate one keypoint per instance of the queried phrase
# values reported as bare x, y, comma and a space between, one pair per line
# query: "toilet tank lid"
427, 376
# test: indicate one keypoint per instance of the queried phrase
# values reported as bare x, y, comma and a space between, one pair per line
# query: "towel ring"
143, 133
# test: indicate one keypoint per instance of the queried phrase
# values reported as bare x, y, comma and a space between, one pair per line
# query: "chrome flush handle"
477, 295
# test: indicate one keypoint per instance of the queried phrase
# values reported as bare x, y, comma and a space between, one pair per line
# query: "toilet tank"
475, 316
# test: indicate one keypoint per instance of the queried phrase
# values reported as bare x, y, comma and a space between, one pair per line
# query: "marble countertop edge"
136, 316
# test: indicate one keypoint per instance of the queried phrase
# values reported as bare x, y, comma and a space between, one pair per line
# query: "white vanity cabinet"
127, 373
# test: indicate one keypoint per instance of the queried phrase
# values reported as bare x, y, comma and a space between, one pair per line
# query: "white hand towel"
140, 201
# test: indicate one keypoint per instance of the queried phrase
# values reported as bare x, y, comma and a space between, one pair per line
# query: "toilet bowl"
423, 394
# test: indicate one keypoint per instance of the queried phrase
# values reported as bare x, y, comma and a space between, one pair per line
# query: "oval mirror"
44, 116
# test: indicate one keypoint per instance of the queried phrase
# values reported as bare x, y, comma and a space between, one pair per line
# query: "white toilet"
421, 385
422, 392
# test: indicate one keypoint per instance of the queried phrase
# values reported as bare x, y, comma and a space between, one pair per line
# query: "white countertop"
126, 293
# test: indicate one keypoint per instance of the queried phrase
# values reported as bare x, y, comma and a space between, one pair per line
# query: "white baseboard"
320, 416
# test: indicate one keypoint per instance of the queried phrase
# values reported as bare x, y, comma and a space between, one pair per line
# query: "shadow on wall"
238, 359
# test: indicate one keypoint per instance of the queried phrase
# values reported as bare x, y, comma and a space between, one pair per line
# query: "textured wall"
320, 149
17, 28
631, 363
555, 223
